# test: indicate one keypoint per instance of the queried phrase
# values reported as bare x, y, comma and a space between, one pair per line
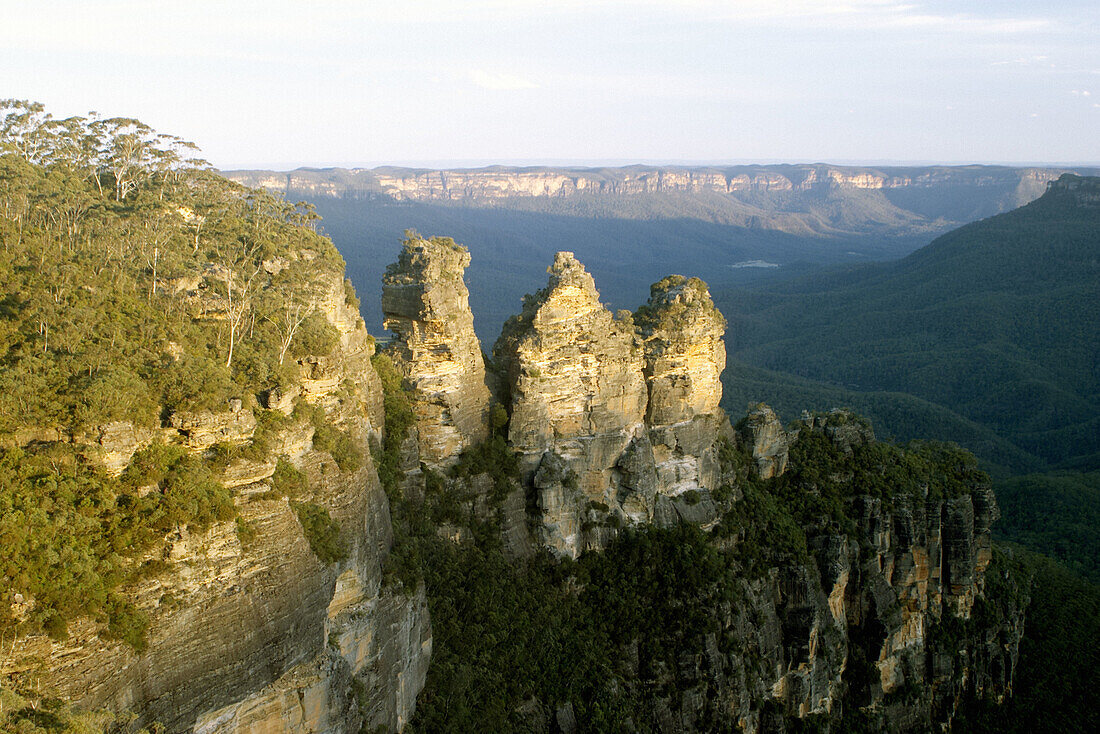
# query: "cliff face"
426, 305
616, 423
254, 632
500, 182
880, 612
879, 619
578, 400
884, 625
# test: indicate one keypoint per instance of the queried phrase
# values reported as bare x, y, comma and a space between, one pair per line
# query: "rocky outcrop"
574, 371
769, 441
684, 353
112, 445
577, 396
681, 331
426, 305
876, 625
882, 603
616, 416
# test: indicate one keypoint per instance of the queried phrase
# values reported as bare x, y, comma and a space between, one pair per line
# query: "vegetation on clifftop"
134, 285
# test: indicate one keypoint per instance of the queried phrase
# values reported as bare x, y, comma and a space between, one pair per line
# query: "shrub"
288, 481
339, 443
246, 531
322, 532
316, 336
127, 623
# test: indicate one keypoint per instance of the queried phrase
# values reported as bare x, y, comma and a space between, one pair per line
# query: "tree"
131, 153
23, 128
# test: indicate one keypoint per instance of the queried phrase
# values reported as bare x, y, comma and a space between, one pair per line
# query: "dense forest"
994, 322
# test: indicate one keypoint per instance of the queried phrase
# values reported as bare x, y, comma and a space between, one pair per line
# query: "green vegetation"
399, 419
673, 315
504, 632
994, 322
70, 534
27, 711
895, 415
609, 633
344, 449
246, 531
134, 284
1055, 514
1059, 666
287, 480
322, 532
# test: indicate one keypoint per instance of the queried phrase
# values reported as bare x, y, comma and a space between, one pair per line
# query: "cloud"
500, 81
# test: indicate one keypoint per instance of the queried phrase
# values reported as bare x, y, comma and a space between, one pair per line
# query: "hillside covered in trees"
995, 323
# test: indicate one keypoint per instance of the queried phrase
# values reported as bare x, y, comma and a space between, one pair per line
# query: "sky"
279, 84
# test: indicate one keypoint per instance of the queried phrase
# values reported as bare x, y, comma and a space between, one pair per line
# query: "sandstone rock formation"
684, 352
578, 397
617, 421
860, 623
684, 357
770, 442
617, 417
922, 563
426, 305
575, 373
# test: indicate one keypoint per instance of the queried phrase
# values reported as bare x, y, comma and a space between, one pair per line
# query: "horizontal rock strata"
426, 306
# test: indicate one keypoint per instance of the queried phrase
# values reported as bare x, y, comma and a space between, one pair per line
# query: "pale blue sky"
330, 82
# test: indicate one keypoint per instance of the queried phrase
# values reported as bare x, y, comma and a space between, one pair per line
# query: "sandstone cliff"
873, 621
879, 618
252, 631
502, 182
616, 423
426, 305
868, 600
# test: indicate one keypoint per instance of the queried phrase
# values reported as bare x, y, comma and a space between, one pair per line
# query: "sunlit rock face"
684, 353
426, 305
681, 332
578, 399
575, 372
617, 416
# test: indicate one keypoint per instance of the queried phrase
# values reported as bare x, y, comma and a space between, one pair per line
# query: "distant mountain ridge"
805, 199
636, 224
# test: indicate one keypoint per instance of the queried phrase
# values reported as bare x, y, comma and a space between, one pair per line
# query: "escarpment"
855, 589
831, 580
221, 511
254, 623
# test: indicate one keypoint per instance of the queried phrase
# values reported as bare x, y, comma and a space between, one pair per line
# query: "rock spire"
425, 304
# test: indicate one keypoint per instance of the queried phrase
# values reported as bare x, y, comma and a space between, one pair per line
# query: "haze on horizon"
283, 84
